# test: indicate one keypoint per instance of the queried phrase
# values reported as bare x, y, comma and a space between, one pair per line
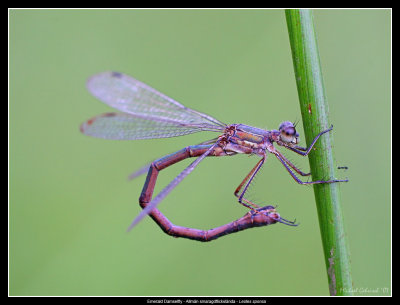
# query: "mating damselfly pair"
149, 114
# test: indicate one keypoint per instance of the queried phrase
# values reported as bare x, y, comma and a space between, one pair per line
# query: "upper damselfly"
148, 114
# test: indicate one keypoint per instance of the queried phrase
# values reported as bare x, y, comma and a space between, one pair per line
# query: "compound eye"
290, 131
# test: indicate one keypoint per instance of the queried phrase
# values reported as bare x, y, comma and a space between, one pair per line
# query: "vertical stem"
314, 111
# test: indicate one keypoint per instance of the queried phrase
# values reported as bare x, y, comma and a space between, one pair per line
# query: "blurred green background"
70, 202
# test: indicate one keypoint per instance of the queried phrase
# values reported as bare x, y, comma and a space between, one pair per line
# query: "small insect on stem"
149, 114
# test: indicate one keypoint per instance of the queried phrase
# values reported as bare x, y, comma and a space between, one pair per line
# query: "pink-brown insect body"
149, 114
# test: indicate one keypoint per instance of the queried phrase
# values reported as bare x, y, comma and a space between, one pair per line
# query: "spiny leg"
298, 180
246, 182
292, 165
305, 151
236, 193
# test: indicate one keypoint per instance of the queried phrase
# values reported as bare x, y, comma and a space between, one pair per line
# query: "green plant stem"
314, 111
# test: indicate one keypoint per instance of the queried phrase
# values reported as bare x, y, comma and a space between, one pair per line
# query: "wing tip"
116, 74
92, 79
85, 126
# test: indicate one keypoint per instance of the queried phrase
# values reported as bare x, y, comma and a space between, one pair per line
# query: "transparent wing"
123, 126
131, 96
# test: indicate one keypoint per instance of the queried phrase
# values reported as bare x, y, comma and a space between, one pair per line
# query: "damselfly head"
288, 133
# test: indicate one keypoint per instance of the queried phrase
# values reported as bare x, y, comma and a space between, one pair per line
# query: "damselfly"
148, 114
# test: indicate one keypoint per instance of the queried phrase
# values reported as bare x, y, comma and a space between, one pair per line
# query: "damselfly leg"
246, 182
304, 151
301, 151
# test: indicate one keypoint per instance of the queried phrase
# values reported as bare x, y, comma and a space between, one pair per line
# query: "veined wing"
124, 126
131, 96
